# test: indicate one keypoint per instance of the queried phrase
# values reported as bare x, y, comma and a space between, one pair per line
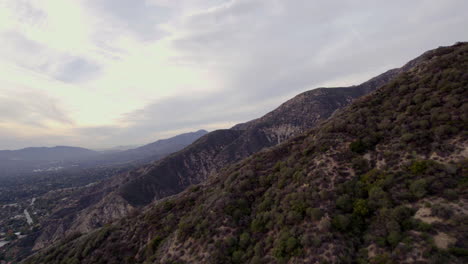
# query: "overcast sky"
99, 73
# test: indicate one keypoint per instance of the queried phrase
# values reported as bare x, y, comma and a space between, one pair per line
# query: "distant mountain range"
67, 153
27, 160
59, 153
152, 151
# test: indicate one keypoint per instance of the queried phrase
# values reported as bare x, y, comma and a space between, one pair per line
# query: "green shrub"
419, 188
185, 227
299, 206
244, 240
341, 222
442, 211
360, 207
153, 245
393, 238
378, 198
423, 226
381, 259
315, 213
358, 146
345, 203
258, 225
460, 252
286, 246
450, 194
360, 165
259, 249
237, 256
256, 260
407, 137
419, 167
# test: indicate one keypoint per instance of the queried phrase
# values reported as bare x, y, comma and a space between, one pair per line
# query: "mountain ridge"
353, 189
152, 151
47, 153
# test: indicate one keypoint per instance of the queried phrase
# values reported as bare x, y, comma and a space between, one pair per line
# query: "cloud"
31, 108
174, 115
23, 10
34, 56
77, 69
187, 111
180, 114
124, 72
280, 47
141, 18
267, 51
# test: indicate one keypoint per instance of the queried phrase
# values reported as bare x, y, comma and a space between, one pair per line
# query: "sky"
103, 73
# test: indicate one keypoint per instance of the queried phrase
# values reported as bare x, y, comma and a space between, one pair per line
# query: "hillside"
382, 181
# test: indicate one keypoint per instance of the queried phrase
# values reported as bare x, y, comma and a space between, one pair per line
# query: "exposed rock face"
81, 212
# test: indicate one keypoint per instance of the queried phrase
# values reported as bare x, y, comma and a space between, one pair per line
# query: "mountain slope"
382, 181
168, 145
150, 152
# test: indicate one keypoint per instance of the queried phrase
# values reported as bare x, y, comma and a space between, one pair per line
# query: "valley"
33, 186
